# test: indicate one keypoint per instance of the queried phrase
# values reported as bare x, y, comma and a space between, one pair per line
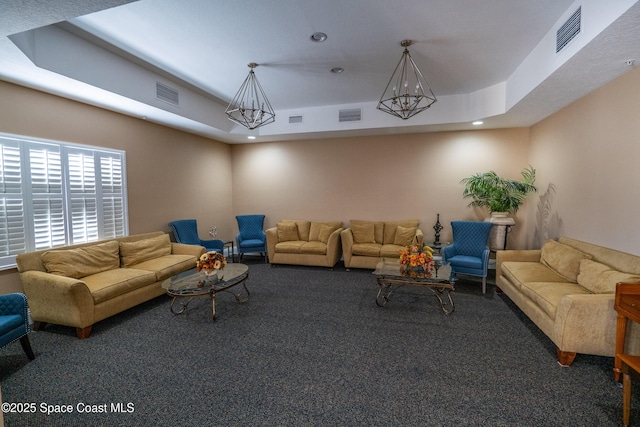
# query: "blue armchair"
469, 253
15, 321
186, 231
251, 238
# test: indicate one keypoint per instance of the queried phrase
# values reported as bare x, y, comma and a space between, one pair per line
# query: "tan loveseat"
365, 243
299, 242
567, 289
82, 284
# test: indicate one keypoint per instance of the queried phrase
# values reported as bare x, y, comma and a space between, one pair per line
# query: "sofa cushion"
289, 247
303, 228
325, 232
314, 231
390, 228
600, 278
519, 272
378, 228
287, 231
547, 295
563, 259
314, 248
168, 265
391, 251
112, 283
132, 253
317, 226
366, 249
84, 261
363, 233
405, 236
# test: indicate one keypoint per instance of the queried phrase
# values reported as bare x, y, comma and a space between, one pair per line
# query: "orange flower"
415, 256
211, 261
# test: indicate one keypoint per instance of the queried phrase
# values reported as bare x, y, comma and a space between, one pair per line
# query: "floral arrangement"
211, 261
417, 255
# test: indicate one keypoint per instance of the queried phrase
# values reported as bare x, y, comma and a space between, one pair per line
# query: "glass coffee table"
192, 284
390, 277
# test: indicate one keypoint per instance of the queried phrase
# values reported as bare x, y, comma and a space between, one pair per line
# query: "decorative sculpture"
438, 228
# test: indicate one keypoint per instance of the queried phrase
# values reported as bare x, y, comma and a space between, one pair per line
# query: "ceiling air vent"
167, 94
569, 30
350, 115
295, 120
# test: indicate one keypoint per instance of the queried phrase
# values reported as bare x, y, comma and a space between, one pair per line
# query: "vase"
210, 275
412, 269
502, 224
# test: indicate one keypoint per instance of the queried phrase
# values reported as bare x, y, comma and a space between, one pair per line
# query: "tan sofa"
567, 289
82, 284
299, 242
365, 243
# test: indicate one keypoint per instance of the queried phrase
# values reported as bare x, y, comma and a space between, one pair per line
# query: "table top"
391, 268
197, 282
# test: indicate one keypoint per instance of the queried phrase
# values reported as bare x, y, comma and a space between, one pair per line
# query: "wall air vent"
295, 120
569, 30
167, 94
350, 115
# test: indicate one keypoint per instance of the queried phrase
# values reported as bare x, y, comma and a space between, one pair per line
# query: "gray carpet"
312, 348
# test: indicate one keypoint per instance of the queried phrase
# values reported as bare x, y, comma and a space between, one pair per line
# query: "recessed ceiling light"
251, 137
318, 37
337, 70
477, 123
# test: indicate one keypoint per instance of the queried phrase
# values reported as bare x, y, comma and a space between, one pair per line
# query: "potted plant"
501, 196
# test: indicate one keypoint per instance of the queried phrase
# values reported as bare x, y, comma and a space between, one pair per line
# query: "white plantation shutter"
54, 194
83, 197
111, 185
12, 232
48, 223
45, 187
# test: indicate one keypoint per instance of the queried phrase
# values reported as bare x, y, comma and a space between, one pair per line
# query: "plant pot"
502, 224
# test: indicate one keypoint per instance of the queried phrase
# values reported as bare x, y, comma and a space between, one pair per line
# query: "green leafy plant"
499, 194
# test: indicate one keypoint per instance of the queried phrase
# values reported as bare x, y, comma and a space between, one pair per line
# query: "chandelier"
250, 107
407, 92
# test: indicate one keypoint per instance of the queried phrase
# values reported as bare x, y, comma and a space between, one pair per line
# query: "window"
55, 194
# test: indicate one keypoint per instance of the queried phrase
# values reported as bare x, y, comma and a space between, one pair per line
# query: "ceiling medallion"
407, 92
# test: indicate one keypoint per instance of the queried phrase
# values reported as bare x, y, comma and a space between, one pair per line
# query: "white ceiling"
493, 60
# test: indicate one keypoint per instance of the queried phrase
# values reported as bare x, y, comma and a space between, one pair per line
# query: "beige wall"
171, 174
584, 156
587, 155
377, 178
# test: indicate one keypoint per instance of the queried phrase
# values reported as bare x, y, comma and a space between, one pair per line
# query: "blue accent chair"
15, 321
469, 253
251, 238
186, 231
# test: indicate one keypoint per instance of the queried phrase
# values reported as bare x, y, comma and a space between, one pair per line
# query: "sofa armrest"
526, 255
586, 323
334, 247
185, 249
58, 299
346, 236
272, 240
